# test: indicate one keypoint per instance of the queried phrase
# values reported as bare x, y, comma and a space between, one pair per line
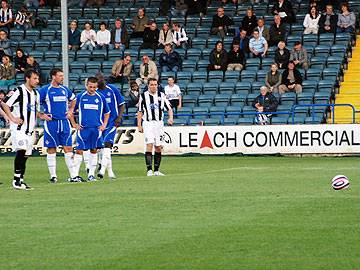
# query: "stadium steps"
349, 92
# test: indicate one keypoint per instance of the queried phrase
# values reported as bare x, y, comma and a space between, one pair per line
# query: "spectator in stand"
103, 37
88, 38
6, 16
140, 21
273, 78
20, 61
134, 94
277, 31
311, 22
150, 37
218, 58
346, 21
236, 58
7, 72
291, 80
5, 45
249, 22
282, 55
119, 36
243, 41
284, 9
299, 56
23, 19
3, 117
180, 9
121, 70
263, 29
74, 36
180, 38
328, 21
264, 102
173, 94
165, 36
220, 23
148, 69
258, 45
170, 60
32, 64
196, 7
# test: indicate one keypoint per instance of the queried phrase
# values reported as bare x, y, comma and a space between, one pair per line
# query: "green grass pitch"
224, 212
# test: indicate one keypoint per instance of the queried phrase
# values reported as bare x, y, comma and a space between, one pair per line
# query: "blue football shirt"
114, 99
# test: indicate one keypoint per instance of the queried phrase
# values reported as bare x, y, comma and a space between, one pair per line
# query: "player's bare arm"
6, 108
139, 121
121, 112
70, 112
106, 120
171, 117
44, 116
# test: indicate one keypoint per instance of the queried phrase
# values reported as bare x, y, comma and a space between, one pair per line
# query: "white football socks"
106, 158
92, 163
77, 163
70, 163
86, 155
51, 162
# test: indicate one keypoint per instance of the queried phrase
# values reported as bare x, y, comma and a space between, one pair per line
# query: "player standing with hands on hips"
25, 108
150, 122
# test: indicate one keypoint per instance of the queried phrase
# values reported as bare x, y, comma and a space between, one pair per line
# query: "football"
340, 182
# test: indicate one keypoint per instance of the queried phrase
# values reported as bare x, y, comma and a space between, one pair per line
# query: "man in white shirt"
179, 36
103, 37
173, 93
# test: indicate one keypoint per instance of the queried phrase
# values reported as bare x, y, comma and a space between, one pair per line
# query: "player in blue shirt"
58, 102
94, 115
116, 103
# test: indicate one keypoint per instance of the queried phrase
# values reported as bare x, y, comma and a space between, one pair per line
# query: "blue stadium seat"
255, 87
38, 55
216, 76
26, 45
77, 67
48, 34
210, 88
183, 76
232, 76
180, 122
199, 76
114, 55
83, 55
310, 40
211, 41
309, 86
318, 62
56, 45
233, 112
253, 64
245, 121
194, 88
193, 53
238, 99
93, 67
326, 39
248, 75
133, 53
99, 55
90, 13
298, 120
42, 45
311, 120
16, 35
314, 74
250, 98
322, 50
189, 65
202, 65
243, 87
334, 61
74, 79
288, 98
212, 122
222, 100
227, 88
330, 73
189, 100
305, 98
248, 112
74, 13
148, 52
32, 34
279, 120
201, 112
54, 24
230, 121
206, 54
206, 100
199, 43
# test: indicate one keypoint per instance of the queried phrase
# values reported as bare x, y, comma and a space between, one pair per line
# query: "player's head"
57, 76
31, 78
91, 85
153, 85
101, 81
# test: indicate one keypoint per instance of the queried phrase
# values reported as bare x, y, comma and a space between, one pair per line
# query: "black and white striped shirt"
5, 15
25, 104
20, 18
152, 106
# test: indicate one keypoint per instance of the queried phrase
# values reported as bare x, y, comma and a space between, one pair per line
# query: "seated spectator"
74, 36
134, 94
150, 37
277, 31
291, 80
148, 69
173, 93
32, 64
236, 58
299, 56
7, 72
180, 38
264, 102
170, 60
273, 79
5, 45
6, 16
282, 55
103, 37
346, 21
328, 21
20, 61
165, 36
249, 22
139, 22
180, 9
23, 19
311, 22
258, 45
121, 70
220, 24
284, 9
263, 30
197, 7
119, 36
218, 58
88, 38
243, 41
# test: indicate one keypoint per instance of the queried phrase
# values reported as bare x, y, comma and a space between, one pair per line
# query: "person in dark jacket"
282, 55
285, 10
133, 95
74, 36
265, 102
20, 61
236, 58
119, 36
32, 64
220, 24
277, 31
249, 22
169, 60
328, 21
291, 80
243, 40
151, 37
218, 57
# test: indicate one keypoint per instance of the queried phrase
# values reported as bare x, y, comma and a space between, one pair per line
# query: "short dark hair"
2, 92
102, 23
54, 71
101, 80
297, 43
171, 77
92, 80
29, 72
151, 80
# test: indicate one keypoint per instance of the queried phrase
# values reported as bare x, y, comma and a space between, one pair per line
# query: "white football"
340, 182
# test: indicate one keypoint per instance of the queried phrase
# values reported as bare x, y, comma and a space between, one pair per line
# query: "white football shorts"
154, 132
22, 141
